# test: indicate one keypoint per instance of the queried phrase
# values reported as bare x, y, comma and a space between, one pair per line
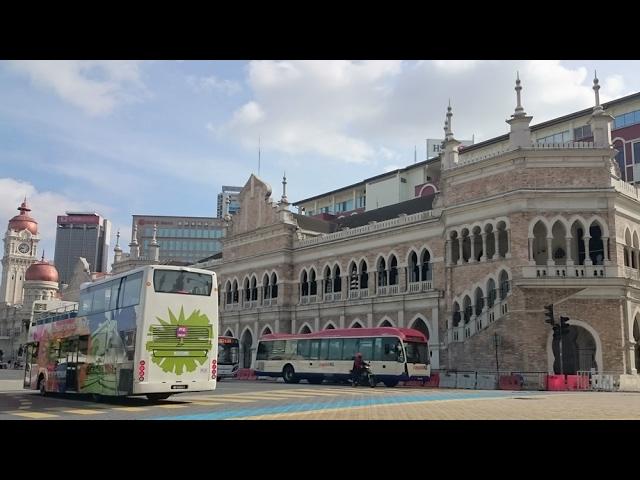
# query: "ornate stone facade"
511, 229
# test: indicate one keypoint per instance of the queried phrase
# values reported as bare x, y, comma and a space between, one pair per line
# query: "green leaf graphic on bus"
181, 343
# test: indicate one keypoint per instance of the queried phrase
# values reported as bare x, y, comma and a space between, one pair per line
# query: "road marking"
24, 407
301, 408
33, 414
172, 405
221, 398
302, 394
130, 409
83, 411
206, 404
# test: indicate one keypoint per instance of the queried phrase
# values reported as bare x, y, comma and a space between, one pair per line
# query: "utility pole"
496, 341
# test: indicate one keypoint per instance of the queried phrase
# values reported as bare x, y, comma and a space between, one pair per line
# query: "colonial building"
510, 226
24, 280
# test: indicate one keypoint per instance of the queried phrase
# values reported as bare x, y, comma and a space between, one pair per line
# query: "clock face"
24, 248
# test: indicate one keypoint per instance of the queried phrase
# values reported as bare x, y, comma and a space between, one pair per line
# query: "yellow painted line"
207, 404
256, 397
130, 409
223, 399
302, 394
83, 411
173, 405
22, 408
33, 414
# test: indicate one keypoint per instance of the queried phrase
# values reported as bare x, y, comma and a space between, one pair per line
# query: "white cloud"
308, 107
45, 207
352, 111
96, 87
213, 83
455, 66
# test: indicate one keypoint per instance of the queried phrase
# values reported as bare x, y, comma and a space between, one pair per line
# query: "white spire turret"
284, 199
450, 144
596, 88
520, 133
600, 120
117, 251
154, 247
134, 249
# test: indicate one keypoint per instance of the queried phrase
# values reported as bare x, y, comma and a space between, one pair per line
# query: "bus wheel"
154, 397
372, 381
289, 374
390, 383
42, 386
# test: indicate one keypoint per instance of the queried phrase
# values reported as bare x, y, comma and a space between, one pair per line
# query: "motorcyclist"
358, 367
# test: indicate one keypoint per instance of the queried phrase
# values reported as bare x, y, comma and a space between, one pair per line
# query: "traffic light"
564, 326
549, 314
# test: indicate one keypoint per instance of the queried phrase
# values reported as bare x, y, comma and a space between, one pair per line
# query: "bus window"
131, 293
350, 348
115, 288
277, 350
416, 352
314, 354
303, 349
335, 349
390, 349
366, 348
85, 301
324, 349
290, 349
377, 349
99, 299
264, 350
178, 281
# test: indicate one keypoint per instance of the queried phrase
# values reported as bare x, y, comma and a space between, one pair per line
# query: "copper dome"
23, 221
42, 271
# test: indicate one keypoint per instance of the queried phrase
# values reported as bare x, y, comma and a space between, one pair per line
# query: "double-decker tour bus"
150, 331
394, 354
228, 357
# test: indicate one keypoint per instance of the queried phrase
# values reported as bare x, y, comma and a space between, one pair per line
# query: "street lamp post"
496, 342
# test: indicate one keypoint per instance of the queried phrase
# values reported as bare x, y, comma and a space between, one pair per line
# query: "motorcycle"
365, 378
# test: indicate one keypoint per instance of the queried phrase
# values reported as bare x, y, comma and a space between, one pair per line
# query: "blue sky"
162, 137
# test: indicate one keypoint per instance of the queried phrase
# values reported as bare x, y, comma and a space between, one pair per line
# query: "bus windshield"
417, 352
186, 283
227, 353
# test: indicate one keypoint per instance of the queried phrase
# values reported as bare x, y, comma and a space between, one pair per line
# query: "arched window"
479, 301
228, 292
328, 281
254, 288
455, 318
337, 279
504, 284
274, 285
382, 272
455, 248
491, 293
247, 290
596, 245
364, 276
304, 284
425, 266
236, 293
414, 268
266, 288
353, 277
467, 309
313, 288
393, 271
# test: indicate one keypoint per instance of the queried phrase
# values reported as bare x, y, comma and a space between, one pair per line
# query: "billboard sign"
434, 146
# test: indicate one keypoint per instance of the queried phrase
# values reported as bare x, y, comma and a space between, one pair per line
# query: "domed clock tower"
20, 245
